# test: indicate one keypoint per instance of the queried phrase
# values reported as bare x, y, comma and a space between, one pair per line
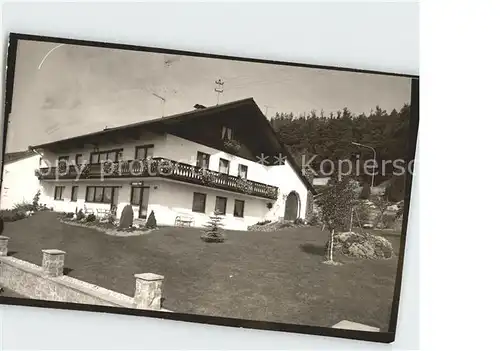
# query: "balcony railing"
159, 167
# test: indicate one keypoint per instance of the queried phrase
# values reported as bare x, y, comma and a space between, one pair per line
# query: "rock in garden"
365, 245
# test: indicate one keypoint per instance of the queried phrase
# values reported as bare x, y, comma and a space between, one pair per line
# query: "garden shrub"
388, 220
127, 217
24, 207
263, 222
80, 215
111, 218
314, 219
298, 221
12, 215
36, 201
151, 221
43, 207
361, 214
91, 218
396, 189
69, 215
365, 192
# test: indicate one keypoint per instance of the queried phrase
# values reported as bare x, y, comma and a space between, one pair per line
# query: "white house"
225, 158
18, 181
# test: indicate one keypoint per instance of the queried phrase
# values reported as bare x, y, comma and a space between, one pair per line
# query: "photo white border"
377, 47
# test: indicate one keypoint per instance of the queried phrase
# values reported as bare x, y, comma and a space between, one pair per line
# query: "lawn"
275, 276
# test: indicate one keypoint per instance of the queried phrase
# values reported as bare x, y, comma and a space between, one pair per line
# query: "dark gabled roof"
17, 156
156, 121
248, 103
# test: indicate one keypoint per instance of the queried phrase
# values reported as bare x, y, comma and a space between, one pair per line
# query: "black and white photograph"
205, 188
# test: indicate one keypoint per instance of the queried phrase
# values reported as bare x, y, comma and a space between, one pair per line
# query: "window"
242, 171
227, 133
239, 208
58, 193
139, 196
78, 159
101, 156
107, 195
63, 159
74, 193
142, 152
199, 201
89, 197
135, 197
100, 194
220, 205
202, 160
224, 166
94, 158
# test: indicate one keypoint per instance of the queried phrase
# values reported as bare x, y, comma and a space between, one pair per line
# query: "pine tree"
151, 221
127, 217
213, 232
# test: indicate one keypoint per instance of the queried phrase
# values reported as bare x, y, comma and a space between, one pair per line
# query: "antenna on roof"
162, 102
219, 88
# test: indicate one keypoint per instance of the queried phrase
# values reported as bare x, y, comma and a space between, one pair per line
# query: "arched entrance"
292, 206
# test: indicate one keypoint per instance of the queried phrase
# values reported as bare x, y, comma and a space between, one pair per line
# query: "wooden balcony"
159, 167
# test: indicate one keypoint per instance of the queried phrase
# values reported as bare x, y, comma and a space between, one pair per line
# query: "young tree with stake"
335, 204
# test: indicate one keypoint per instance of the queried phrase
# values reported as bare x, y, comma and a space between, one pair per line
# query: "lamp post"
374, 158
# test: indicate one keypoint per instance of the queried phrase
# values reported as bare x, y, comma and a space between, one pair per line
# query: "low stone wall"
48, 283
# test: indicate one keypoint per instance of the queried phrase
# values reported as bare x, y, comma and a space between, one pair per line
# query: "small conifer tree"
36, 201
151, 221
127, 217
213, 232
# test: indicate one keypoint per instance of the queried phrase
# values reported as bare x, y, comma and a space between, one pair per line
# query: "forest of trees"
330, 136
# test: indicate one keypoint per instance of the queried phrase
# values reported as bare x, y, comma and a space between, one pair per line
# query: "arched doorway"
292, 206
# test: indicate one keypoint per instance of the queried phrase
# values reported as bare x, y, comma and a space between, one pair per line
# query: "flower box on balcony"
232, 145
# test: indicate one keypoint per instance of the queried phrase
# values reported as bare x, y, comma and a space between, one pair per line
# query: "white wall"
172, 199
282, 176
170, 147
50, 158
288, 181
19, 182
182, 150
167, 199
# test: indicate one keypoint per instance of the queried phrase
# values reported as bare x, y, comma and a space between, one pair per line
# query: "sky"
77, 90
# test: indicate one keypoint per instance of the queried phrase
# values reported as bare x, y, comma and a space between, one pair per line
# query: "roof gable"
12, 157
236, 109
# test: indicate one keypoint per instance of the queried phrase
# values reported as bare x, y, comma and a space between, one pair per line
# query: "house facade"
18, 183
224, 158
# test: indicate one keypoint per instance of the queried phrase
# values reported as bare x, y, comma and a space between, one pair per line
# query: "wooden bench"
103, 212
184, 220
